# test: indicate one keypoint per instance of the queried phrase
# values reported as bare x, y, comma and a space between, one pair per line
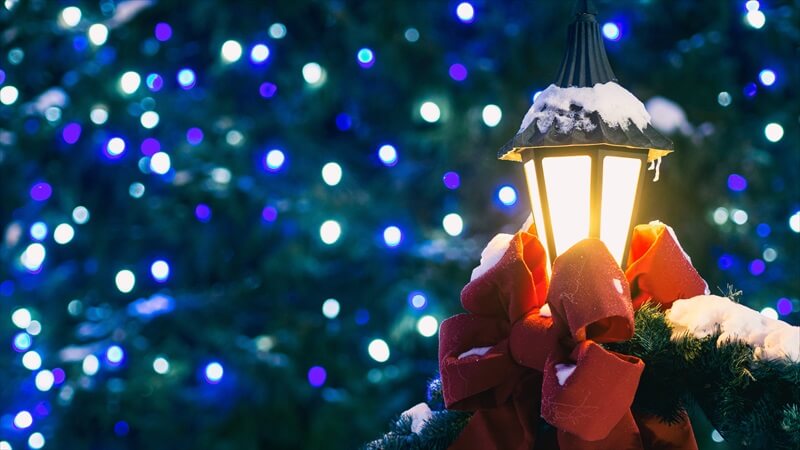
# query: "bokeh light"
202, 212
70, 16
160, 163
160, 270
41, 191
767, 77
378, 350
115, 147
611, 31
8, 95
36, 441
773, 132
80, 215
125, 281
115, 355
90, 365
451, 180
44, 380
331, 173
23, 420
388, 155
465, 12
98, 34
129, 82
458, 72
492, 114
277, 31
453, 224
330, 231
507, 195
430, 112
755, 18
231, 51
313, 74
214, 372
32, 360
794, 222
162, 31
317, 376
392, 236
274, 159
417, 300
259, 53
736, 182
427, 326
161, 365
21, 318
784, 306
365, 58
186, 78
330, 308
33, 257
63, 233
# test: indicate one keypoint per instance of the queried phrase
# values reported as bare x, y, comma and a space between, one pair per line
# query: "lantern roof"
585, 105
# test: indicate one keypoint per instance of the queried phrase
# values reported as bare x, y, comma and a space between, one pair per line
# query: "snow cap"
585, 106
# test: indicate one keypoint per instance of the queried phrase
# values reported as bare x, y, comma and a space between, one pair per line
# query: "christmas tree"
238, 225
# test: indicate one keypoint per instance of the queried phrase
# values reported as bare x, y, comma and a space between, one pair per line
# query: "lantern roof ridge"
585, 105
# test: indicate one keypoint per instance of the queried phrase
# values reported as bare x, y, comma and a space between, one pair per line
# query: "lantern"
585, 144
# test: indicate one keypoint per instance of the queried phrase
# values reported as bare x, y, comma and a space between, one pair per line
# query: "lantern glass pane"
568, 186
620, 180
536, 204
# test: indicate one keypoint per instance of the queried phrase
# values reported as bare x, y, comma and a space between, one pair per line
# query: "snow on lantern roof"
586, 106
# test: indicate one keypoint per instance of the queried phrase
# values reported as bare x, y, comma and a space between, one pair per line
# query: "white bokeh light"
507, 195
392, 236
32, 360
332, 173
430, 112
23, 420
465, 12
36, 441
98, 34
721, 215
794, 222
80, 215
161, 365
160, 270
44, 380
63, 233
98, 115
33, 257
149, 119
160, 163
427, 326
70, 16
330, 232
125, 281
231, 51
453, 224
21, 318
378, 350
129, 82
331, 308
314, 74
214, 372
755, 18
739, 217
8, 95
115, 146
90, 365
773, 132
492, 114
388, 154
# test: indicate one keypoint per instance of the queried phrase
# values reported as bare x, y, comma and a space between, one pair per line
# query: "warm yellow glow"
568, 186
620, 179
536, 204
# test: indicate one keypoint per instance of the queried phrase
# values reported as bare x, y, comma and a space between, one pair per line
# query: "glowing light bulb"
453, 224
378, 350
332, 173
330, 232
492, 115
430, 112
231, 51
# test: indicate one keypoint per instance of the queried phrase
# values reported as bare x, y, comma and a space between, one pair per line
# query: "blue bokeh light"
763, 230
214, 372
274, 160
417, 300
611, 31
187, 78
737, 183
259, 53
365, 57
388, 155
507, 195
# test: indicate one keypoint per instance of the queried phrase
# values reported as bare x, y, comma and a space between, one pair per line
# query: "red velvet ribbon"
515, 382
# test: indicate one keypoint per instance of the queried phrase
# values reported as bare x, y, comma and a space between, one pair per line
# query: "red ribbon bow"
503, 359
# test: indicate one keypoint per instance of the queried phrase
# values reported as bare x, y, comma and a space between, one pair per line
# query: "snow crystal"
704, 315
545, 311
492, 254
563, 372
419, 414
616, 106
477, 351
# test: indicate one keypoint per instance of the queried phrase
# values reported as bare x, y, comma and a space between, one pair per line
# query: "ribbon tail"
510, 426
658, 435
624, 436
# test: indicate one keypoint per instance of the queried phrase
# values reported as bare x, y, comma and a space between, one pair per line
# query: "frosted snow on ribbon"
477, 351
419, 414
563, 372
704, 315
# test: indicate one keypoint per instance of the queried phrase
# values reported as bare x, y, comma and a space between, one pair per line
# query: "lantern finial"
585, 62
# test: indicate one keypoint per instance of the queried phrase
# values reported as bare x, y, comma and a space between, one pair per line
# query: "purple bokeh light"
154, 82
41, 191
267, 89
203, 212
269, 214
451, 180
194, 136
458, 72
736, 182
750, 90
163, 31
59, 376
71, 133
757, 267
150, 146
317, 376
784, 306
